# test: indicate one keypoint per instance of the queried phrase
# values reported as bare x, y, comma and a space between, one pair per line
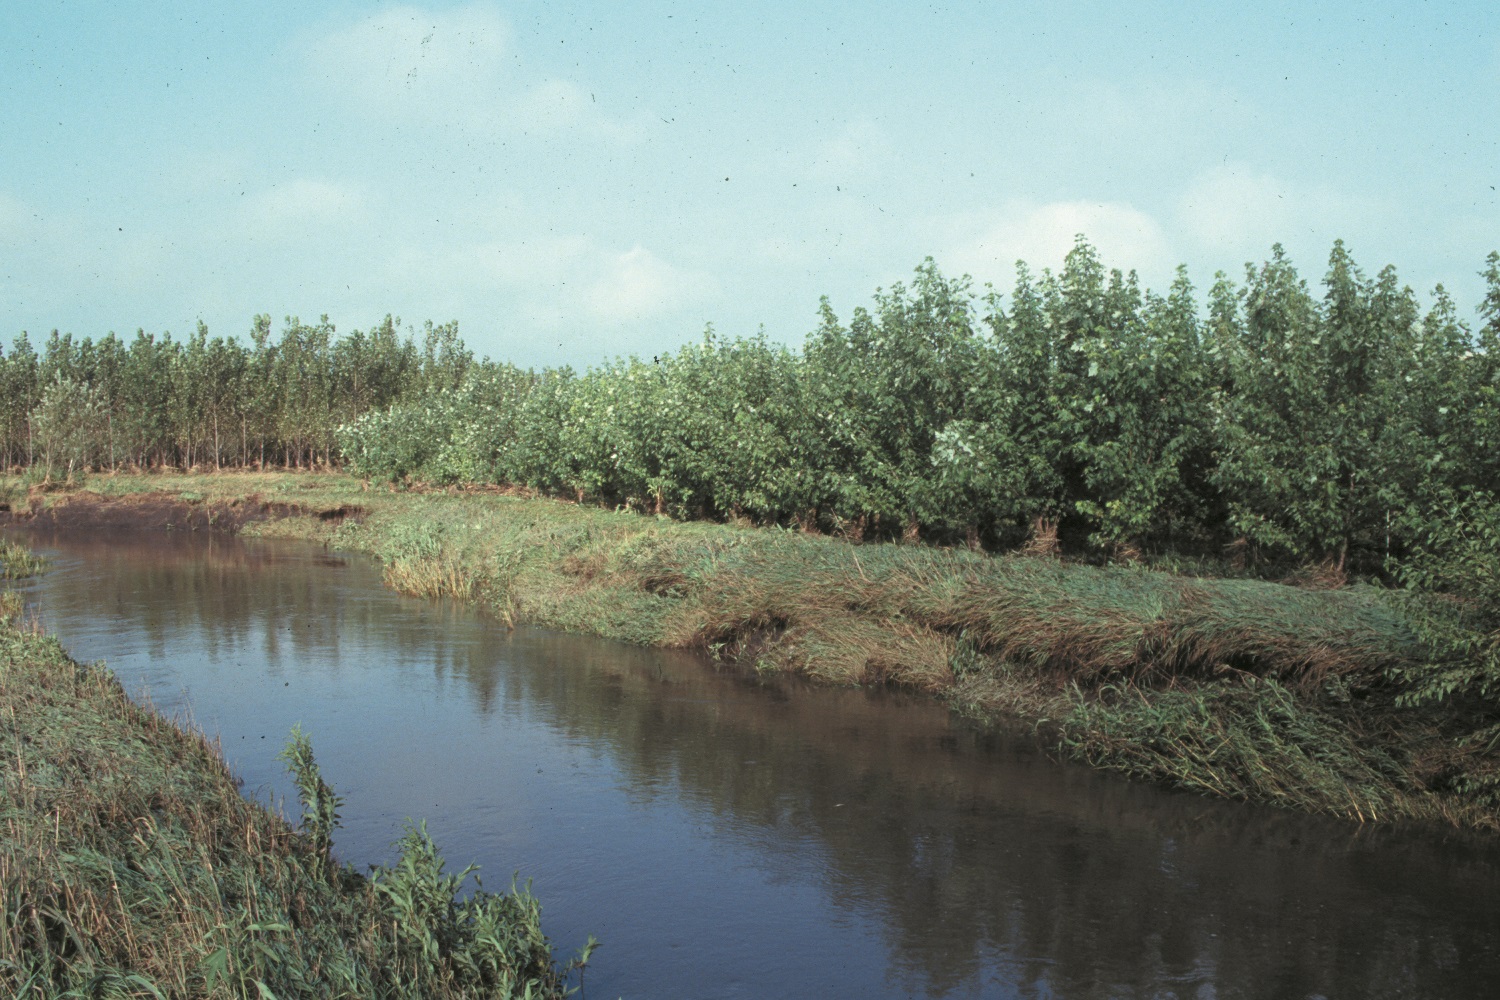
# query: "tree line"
1346, 423
1343, 424
211, 402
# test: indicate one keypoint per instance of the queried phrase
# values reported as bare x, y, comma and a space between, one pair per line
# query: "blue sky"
572, 182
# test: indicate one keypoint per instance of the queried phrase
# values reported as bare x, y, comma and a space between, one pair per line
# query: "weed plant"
17, 561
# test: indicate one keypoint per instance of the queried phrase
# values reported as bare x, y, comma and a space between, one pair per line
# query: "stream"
730, 835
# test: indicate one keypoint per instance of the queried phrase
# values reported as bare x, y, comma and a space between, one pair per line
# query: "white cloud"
554, 102
54, 260
448, 70
24, 228
531, 268
785, 251
1179, 115
551, 283
305, 200
16, 238
638, 285
1230, 214
858, 149
987, 247
12, 213
1234, 208
557, 106
413, 61
547, 260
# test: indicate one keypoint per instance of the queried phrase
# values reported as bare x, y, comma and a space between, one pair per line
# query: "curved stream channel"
725, 835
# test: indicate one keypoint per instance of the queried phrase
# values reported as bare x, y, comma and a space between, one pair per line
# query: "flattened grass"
1248, 738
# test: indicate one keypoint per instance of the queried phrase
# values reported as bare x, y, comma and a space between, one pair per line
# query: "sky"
572, 182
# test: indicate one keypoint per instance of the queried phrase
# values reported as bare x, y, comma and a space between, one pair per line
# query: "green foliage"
320, 806
440, 941
210, 401
446, 943
913, 413
1338, 416
67, 424
1453, 573
17, 561
1303, 430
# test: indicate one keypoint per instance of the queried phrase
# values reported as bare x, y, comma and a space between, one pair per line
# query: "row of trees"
1313, 426
1333, 424
211, 401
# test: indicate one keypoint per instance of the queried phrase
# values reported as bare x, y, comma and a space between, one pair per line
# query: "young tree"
69, 423
1309, 464
887, 387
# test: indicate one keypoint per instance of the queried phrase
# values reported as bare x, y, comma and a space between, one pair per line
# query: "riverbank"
131, 865
1238, 688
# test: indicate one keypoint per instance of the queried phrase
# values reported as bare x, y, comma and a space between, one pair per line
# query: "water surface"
732, 836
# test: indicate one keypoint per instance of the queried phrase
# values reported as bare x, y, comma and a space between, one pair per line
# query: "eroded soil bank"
1233, 687
151, 510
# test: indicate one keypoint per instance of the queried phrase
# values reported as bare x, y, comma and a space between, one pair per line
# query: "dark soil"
158, 511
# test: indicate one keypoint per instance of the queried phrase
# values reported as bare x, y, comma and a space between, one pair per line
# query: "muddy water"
729, 836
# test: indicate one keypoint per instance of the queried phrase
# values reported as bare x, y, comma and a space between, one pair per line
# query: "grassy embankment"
130, 865
1233, 687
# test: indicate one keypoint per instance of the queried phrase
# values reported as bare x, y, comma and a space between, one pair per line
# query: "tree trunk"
913, 532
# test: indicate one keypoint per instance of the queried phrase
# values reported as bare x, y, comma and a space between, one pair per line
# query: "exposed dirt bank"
160, 510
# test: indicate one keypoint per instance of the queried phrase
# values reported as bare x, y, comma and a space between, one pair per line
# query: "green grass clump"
130, 865
17, 562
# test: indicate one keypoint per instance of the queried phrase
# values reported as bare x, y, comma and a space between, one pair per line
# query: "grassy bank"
1234, 687
130, 865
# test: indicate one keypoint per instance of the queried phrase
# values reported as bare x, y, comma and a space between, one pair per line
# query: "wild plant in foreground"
131, 866
18, 562
320, 806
